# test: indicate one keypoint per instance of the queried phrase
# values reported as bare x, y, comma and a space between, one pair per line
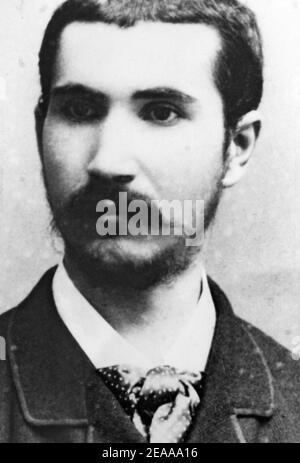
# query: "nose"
113, 152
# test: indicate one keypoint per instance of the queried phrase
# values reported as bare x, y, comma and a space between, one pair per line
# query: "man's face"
131, 110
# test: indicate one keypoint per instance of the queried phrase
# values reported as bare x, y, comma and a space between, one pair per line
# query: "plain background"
254, 252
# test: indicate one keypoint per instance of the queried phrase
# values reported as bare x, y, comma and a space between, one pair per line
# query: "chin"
137, 262
124, 250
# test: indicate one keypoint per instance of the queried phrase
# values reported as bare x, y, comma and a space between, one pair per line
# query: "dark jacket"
49, 391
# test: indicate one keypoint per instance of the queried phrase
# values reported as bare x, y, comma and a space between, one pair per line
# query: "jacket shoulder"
284, 368
5, 321
283, 365
6, 388
35, 296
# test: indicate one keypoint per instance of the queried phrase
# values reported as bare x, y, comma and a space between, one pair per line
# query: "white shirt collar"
104, 346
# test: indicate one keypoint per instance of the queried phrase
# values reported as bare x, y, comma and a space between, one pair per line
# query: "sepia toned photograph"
150, 232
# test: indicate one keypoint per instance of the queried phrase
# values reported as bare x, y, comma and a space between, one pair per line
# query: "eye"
161, 114
81, 111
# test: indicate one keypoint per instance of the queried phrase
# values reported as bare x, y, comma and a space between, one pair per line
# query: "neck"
149, 319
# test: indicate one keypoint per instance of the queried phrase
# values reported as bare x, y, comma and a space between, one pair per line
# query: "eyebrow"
157, 93
163, 93
79, 90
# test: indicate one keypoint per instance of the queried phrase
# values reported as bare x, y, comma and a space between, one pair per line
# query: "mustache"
82, 203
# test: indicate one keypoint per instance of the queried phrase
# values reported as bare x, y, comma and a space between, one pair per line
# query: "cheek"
65, 156
187, 159
205, 158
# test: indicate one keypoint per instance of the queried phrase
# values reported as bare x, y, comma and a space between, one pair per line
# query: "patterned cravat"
160, 402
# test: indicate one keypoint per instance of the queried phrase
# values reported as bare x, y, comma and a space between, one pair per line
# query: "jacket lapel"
57, 384
108, 420
239, 382
48, 366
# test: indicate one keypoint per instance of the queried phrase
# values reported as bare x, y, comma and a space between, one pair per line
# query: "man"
127, 340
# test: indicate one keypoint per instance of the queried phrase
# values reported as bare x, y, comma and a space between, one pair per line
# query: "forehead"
145, 55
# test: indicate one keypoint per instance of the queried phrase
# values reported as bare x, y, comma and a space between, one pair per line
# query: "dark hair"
238, 69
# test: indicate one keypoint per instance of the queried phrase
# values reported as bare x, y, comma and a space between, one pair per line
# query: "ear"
39, 114
241, 148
